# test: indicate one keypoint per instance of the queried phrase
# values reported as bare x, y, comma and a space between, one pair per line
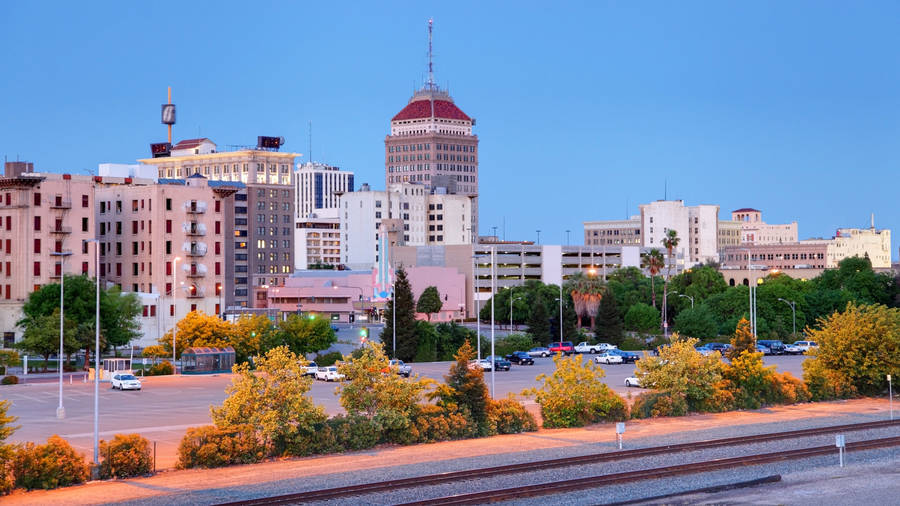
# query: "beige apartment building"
857, 242
45, 220
168, 240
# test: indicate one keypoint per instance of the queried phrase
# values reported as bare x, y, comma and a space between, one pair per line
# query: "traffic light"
363, 334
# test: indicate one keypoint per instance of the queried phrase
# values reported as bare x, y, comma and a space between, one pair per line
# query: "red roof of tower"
190, 143
419, 109
746, 210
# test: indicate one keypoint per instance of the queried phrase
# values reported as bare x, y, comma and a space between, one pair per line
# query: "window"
84, 224
85, 201
37, 200
134, 225
37, 246
37, 269
218, 225
168, 226
168, 204
218, 206
37, 223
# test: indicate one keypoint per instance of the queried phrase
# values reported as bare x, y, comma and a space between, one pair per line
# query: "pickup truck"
564, 347
584, 347
402, 369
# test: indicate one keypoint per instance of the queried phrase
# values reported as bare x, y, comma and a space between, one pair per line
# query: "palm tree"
653, 261
587, 291
670, 242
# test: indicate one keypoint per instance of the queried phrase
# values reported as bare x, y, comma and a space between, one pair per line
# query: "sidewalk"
169, 486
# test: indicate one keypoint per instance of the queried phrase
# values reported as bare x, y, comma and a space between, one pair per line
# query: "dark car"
775, 347
627, 356
520, 357
500, 364
564, 347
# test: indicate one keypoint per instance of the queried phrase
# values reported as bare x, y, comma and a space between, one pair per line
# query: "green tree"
586, 291
642, 318
304, 335
860, 345
697, 322
574, 395
855, 275
429, 302
743, 340
373, 389
682, 372
538, 322
670, 242
273, 402
405, 319
464, 388
449, 337
697, 282
41, 336
653, 261
252, 336
119, 322
198, 329
609, 322
426, 337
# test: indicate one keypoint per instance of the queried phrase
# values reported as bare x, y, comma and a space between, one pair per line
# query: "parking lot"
168, 405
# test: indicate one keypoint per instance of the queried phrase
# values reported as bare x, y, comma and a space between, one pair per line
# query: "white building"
755, 231
697, 228
317, 239
857, 242
407, 213
318, 186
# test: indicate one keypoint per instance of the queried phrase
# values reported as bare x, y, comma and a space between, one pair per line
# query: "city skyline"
740, 106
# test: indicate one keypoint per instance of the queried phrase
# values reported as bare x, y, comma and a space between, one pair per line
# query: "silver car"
124, 381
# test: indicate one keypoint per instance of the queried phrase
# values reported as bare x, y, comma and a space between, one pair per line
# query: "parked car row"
487, 363
765, 346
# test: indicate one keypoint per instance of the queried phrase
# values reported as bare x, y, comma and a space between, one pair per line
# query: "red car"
564, 347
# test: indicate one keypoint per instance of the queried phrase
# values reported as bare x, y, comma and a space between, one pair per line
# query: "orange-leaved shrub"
125, 456
51, 465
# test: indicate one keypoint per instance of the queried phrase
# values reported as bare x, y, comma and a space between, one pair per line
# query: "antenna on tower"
430, 84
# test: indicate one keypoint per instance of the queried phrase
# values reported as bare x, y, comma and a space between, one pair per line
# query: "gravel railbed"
601, 495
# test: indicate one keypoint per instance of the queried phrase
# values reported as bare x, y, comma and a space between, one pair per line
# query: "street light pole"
61, 410
394, 314
794, 312
96, 351
493, 296
477, 306
689, 297
174, 309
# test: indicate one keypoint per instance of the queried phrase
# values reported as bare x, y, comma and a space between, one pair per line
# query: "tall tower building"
431, 143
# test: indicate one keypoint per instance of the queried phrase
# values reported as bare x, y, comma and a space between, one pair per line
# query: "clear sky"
584, 110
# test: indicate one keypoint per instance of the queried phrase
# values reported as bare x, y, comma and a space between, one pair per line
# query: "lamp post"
477, 306
560, 315
394, 314
689, 297
174, 309
665, 322
96, 352
493, 296
60, 410
793, 311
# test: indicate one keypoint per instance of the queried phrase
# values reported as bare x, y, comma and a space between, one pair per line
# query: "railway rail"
471, 474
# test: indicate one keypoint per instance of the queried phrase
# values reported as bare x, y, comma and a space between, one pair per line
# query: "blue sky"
584, 110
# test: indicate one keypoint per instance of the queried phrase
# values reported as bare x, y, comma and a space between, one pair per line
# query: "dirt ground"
173, 482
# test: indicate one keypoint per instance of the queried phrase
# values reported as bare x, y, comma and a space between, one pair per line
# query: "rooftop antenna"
430, 85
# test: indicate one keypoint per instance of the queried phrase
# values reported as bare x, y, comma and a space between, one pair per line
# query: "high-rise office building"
431, 143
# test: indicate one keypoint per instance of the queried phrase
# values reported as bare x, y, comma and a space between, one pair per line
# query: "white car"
329, 373
311, 369
124, 381
584, 347
484, 364
632, 381
608, 358
806, 345
792, 349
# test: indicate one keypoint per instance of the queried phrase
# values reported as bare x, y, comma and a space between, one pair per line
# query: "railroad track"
471, 474
651, 474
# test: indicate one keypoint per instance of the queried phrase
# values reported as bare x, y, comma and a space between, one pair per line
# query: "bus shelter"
207, 360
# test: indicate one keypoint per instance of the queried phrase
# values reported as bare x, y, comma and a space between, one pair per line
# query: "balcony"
195, 249
195, 271
194, 229
59, 203
61, 230
195, 293
194, 207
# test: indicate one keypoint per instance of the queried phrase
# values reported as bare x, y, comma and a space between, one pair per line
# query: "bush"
327, 359
681, 369
10, 380
7, 452
353, 432
575, 395
442, 423
164, 368
464, 390
125, 456
209, 447
654, 404
825, 384
52, 465
788, 390
509, 416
